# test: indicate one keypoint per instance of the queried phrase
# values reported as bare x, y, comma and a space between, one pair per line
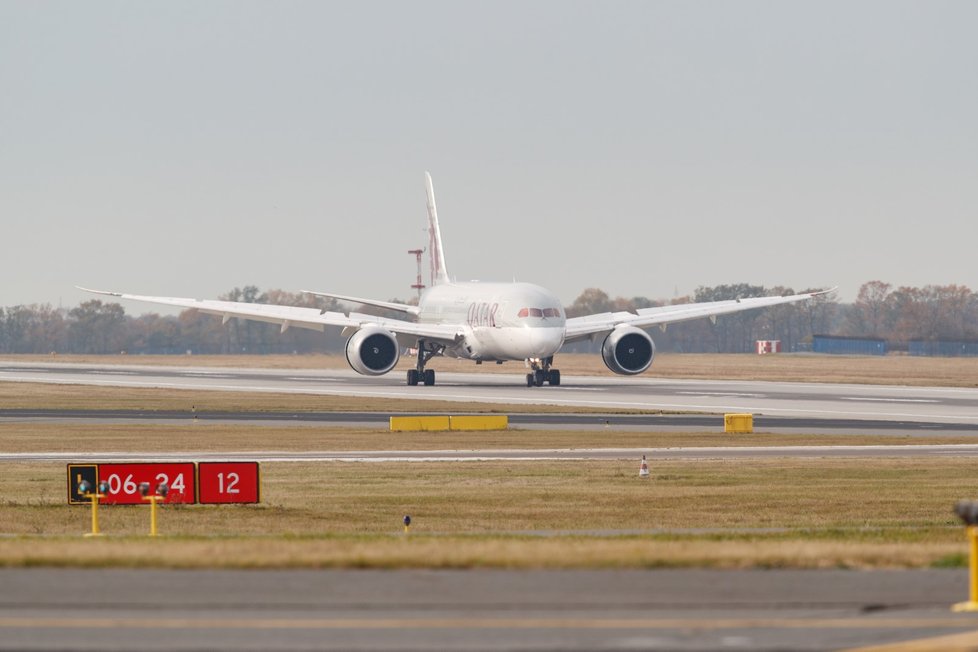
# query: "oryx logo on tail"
439, 274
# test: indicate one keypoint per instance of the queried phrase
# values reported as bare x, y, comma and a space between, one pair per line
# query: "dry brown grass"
205, 437
420, 551
799, 512
43, 396
895, 369
871, 370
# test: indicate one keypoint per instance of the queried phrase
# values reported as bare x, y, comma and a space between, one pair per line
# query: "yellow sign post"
153, 500
161, 491
972, 603
967, 511
85, 490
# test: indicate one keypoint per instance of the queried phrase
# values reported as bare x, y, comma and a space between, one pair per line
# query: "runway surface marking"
487, 623
889, 400
723, 394
534, 400
317, 375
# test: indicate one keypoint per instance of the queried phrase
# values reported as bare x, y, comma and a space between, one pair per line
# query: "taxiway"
122, 609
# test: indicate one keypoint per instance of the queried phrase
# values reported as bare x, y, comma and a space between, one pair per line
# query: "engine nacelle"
372, 351
628, 350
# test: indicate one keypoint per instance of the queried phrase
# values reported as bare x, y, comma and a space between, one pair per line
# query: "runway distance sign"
123, 481
228, 482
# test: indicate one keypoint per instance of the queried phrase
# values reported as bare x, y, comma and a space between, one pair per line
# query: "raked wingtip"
105, 292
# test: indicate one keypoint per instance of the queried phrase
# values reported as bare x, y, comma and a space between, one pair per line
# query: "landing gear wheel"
530, 380
554, 377
540, 376
426, 351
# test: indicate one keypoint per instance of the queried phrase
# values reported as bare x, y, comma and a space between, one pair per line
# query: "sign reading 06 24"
186, 482
123, 480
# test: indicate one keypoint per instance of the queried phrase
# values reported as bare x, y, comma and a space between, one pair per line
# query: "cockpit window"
538, 312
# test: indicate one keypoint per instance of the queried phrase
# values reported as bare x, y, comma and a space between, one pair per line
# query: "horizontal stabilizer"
387, 305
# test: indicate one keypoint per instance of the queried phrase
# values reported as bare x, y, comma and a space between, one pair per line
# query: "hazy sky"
184, 148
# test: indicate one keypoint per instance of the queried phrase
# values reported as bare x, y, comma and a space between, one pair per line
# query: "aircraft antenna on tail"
439, 274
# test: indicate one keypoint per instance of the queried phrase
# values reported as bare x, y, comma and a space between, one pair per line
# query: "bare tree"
590, 301
872, 313
96, 327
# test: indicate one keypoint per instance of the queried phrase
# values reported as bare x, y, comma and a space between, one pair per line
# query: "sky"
645, 148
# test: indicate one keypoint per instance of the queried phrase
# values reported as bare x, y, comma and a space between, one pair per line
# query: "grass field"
783, 513
791, 512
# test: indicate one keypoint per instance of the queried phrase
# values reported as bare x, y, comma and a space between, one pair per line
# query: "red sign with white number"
228, 482
123, 481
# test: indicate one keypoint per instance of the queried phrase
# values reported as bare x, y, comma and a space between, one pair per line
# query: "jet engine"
628, 350
372, 351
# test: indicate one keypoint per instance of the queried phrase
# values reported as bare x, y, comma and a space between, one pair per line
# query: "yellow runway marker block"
416, 423
480, 422
738, 423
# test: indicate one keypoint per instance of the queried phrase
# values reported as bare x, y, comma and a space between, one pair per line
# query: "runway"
120, 609
919, 407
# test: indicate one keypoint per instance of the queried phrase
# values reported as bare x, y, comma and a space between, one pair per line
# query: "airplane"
484, 322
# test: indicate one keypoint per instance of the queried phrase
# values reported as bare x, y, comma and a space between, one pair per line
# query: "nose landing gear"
542, 373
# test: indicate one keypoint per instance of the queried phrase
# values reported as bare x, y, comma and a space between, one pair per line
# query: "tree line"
903, 314
794, 323
97, 327
880, 310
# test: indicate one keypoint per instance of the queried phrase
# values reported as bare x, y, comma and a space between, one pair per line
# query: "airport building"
848, 345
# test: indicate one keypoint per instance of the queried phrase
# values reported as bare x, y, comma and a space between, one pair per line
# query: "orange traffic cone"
643, 470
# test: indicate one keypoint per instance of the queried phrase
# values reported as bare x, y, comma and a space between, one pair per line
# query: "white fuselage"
502, 321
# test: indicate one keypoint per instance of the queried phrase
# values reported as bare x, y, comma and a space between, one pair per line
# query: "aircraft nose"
546, 341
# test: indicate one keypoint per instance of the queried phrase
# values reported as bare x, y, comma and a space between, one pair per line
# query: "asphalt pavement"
865, 403
122, 609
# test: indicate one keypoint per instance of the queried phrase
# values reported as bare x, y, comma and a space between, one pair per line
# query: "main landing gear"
542, 373
420, 374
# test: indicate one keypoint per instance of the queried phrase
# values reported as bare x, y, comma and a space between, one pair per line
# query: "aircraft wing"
288, 316
579, 328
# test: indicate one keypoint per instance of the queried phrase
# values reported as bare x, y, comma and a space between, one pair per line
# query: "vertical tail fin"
439, 274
